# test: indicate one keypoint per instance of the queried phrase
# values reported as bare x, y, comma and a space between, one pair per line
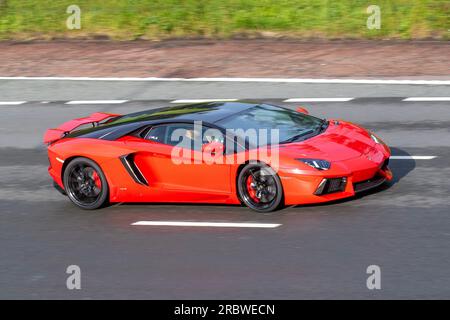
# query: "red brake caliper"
97, 180
251, 191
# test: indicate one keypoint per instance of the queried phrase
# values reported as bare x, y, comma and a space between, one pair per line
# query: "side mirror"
213, 148
302, 110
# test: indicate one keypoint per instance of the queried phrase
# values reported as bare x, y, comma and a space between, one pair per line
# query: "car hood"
341, 141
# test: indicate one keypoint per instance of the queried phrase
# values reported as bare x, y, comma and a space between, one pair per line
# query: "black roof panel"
208, 112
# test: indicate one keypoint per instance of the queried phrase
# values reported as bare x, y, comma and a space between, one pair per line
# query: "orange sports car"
256, 154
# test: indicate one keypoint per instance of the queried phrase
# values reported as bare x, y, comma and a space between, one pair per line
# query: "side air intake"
133, 169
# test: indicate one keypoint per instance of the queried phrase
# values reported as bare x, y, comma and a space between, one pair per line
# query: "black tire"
260, 188
85, 184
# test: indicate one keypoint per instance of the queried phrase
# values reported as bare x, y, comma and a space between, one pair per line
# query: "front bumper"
348, 178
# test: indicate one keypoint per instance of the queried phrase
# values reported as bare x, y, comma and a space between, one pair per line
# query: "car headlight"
317, 163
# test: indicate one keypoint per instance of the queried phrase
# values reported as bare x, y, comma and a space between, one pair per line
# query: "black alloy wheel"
85, 184
259, 188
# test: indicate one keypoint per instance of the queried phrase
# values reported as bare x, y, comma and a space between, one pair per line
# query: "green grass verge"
158, 19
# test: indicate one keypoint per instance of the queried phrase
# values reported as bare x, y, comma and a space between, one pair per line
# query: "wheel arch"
66, 163
71, 158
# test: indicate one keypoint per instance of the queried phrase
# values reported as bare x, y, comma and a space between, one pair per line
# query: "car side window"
182, 135
188, 136
156, 134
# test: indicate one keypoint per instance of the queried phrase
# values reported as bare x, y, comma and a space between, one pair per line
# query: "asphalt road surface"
319, 251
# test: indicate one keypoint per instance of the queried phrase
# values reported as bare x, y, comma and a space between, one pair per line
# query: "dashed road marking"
318, 99
96, 101
202, 100
412, 157
288, 100
11, 103
206, 224
427, 99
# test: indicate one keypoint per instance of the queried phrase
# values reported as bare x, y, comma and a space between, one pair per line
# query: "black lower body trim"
368, 184
57, 187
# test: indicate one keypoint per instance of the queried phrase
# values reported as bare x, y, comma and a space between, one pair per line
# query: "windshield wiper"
298, 136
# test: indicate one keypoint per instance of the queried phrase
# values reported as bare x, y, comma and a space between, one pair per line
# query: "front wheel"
85, 184
260, 188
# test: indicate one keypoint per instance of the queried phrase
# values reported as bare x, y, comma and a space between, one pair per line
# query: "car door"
173, 162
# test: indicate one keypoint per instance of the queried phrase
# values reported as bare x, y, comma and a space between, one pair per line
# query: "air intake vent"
369, 184
133, 169
331, 186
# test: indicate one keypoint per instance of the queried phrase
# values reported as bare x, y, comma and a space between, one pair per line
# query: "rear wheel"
260, 188
85, 184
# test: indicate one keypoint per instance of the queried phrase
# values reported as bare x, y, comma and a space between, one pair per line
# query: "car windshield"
291, 125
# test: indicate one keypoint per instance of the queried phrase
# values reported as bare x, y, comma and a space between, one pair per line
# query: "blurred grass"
159, 19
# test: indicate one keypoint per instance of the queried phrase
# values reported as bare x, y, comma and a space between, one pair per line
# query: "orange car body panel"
352, 152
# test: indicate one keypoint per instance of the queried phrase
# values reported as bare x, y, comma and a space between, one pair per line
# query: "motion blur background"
319, 251
161, 19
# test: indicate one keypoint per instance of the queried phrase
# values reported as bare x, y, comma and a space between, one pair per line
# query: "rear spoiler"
52, 135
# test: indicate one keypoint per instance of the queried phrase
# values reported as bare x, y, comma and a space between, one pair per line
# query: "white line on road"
427, 99
96, 101
11, 103
206, 224
318, 99
201, 100
269, 80
412, 157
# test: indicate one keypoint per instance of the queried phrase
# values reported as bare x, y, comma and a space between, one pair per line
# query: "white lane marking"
412, 157
201, 100
427, 99
96, 101
318, 99
273, 80
206, 224
11, 103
